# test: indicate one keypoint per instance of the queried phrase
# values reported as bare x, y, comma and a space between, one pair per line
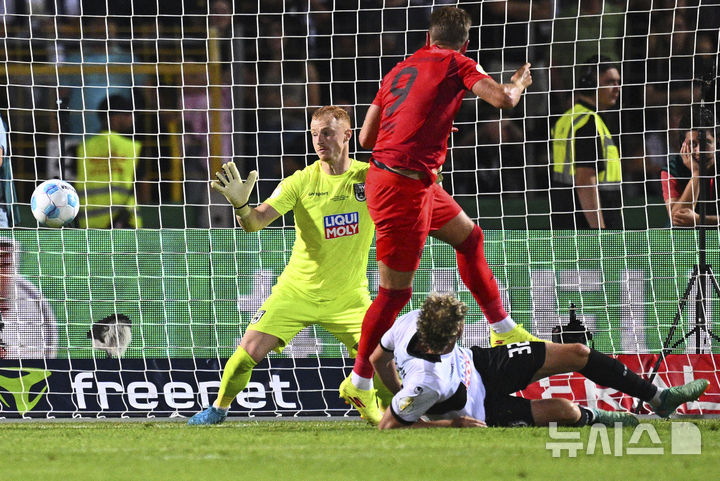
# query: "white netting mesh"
208, 82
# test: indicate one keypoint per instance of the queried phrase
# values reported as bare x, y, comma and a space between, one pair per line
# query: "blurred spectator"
515, 32
28, 329
583, 29
287, 86
9, 211
197, 136
668, 85
220, 22
681, 177
488, 159
84, 93
586, 170
106, 170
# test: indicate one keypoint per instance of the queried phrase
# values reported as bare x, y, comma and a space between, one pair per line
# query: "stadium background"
191, 291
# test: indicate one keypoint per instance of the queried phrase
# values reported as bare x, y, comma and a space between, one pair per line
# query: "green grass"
333, 450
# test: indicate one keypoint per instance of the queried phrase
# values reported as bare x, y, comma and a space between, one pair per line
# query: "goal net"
203, 83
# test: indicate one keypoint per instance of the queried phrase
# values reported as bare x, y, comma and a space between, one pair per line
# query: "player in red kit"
407, 126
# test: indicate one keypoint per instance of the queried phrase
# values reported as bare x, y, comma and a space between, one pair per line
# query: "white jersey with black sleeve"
434, 386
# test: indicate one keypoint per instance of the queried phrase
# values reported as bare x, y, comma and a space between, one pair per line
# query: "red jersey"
419, 99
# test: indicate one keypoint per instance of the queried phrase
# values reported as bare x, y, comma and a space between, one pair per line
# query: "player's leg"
344, 320
451, 225
394, 293
567, 413
399, 207
253, 348
510, 368
607, 371
271, 328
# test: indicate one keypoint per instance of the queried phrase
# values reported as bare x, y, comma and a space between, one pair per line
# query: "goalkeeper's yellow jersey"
333, 230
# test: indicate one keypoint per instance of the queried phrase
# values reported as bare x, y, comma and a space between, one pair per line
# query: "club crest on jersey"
257, 316
405, 402
341, 225
359, 190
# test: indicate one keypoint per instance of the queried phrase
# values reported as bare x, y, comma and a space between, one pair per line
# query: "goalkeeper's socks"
236, 376
609, 372
379, 317
478, 277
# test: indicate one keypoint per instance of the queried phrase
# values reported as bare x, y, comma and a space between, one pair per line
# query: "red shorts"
405, 211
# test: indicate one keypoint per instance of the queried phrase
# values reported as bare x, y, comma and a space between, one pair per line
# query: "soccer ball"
55, 203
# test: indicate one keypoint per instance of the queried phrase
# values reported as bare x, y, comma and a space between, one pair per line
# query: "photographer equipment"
574, 331
702, 272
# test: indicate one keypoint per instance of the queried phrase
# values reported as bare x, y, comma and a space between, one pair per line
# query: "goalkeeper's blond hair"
441, 320
333, 111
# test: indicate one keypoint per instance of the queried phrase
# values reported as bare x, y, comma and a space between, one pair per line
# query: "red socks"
478, 277
379, 317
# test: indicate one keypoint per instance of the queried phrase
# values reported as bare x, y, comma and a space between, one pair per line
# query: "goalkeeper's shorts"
286, 312
405, 211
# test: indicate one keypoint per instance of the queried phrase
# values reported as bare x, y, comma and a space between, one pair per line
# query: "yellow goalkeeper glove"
232, 186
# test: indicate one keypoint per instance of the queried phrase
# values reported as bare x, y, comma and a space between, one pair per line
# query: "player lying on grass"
444, 384
325, 281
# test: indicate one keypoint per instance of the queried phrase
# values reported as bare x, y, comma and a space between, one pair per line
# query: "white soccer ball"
55, 203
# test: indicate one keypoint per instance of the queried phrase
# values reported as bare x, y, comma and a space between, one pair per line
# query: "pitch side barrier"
280, 388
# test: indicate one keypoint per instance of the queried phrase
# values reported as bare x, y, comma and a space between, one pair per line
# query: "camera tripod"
701, 273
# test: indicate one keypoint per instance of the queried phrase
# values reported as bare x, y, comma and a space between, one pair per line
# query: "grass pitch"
334, 450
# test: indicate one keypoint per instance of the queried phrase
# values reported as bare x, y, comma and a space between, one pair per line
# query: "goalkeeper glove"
232, 187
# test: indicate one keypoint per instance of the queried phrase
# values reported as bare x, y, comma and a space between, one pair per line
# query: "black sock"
586, 417
609, 372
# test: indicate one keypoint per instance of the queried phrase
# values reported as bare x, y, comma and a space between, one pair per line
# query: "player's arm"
230, 184
253, 220
680, 216
504, 96
384, 363
389, 421
589, 196
370, 128
690, 195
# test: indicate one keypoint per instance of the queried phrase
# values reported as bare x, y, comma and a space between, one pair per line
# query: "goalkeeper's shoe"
364, 400
609, 418
673, 397
211, 415
516, 334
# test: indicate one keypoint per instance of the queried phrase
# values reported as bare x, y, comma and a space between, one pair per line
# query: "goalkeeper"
445, 385
325, 281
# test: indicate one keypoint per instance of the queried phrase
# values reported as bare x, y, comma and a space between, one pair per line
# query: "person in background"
681, 177
84, 92
197, 118
28, 328
586, 170
9, 211
107, 164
